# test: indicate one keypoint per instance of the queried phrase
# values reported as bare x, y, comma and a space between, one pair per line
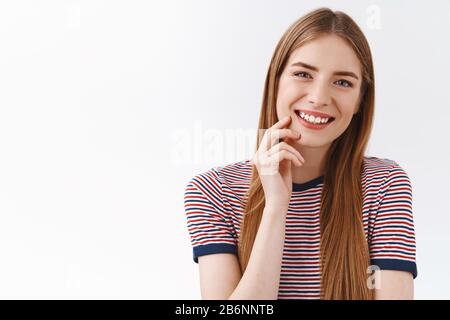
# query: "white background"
108, 108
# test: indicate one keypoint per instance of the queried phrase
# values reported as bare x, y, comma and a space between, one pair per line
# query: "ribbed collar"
307, 185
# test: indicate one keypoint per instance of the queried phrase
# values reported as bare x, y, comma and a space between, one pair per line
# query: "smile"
313, 120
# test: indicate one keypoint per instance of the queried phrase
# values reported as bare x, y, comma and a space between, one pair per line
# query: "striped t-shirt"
214, 203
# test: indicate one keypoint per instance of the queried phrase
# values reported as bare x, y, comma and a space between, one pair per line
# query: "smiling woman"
326, 78
310, 215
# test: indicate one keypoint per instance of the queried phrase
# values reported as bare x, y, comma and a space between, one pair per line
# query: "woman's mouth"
313, 121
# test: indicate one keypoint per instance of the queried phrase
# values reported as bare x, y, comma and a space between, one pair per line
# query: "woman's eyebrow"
338, 73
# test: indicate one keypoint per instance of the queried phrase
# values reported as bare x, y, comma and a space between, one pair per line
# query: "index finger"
266, 138
281, 123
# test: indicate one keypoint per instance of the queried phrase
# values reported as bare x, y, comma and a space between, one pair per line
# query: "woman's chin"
306, 141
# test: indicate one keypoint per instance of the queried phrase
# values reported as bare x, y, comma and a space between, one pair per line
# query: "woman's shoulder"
235, 174
383, 171
377, 162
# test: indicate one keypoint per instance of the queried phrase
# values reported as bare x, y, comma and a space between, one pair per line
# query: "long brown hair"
343, 245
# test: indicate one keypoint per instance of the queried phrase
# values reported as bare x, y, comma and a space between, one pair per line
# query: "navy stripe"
205, 249
396, 264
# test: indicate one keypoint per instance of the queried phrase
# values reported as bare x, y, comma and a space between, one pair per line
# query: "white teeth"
313, 119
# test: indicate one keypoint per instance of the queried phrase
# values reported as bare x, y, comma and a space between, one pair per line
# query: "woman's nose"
319, 94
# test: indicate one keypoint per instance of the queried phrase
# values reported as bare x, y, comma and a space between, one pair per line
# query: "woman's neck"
314, 166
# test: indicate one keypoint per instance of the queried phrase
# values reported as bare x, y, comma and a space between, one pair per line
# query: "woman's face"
319, 88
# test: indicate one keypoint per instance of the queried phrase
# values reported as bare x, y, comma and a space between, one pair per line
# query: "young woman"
309, 216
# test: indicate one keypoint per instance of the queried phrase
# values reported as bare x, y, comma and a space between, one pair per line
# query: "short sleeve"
393, 244
209, 228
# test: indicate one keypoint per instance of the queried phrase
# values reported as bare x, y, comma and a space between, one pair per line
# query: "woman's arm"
395, 285
220, 276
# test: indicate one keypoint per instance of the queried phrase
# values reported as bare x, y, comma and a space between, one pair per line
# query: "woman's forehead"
327, 53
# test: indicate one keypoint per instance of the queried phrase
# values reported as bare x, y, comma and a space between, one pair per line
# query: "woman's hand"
273, 162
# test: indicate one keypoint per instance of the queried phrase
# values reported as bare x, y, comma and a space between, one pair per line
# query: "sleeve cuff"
213, 248
396, 264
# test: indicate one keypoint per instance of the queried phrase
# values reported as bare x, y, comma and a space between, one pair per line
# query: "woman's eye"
303, 74
344, 83
341, 82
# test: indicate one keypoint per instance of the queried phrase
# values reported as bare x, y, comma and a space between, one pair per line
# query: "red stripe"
300, 287
374, 247
303, 279
299, 263
395, 239
390, 255
390, 222
380, 232
214, 241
